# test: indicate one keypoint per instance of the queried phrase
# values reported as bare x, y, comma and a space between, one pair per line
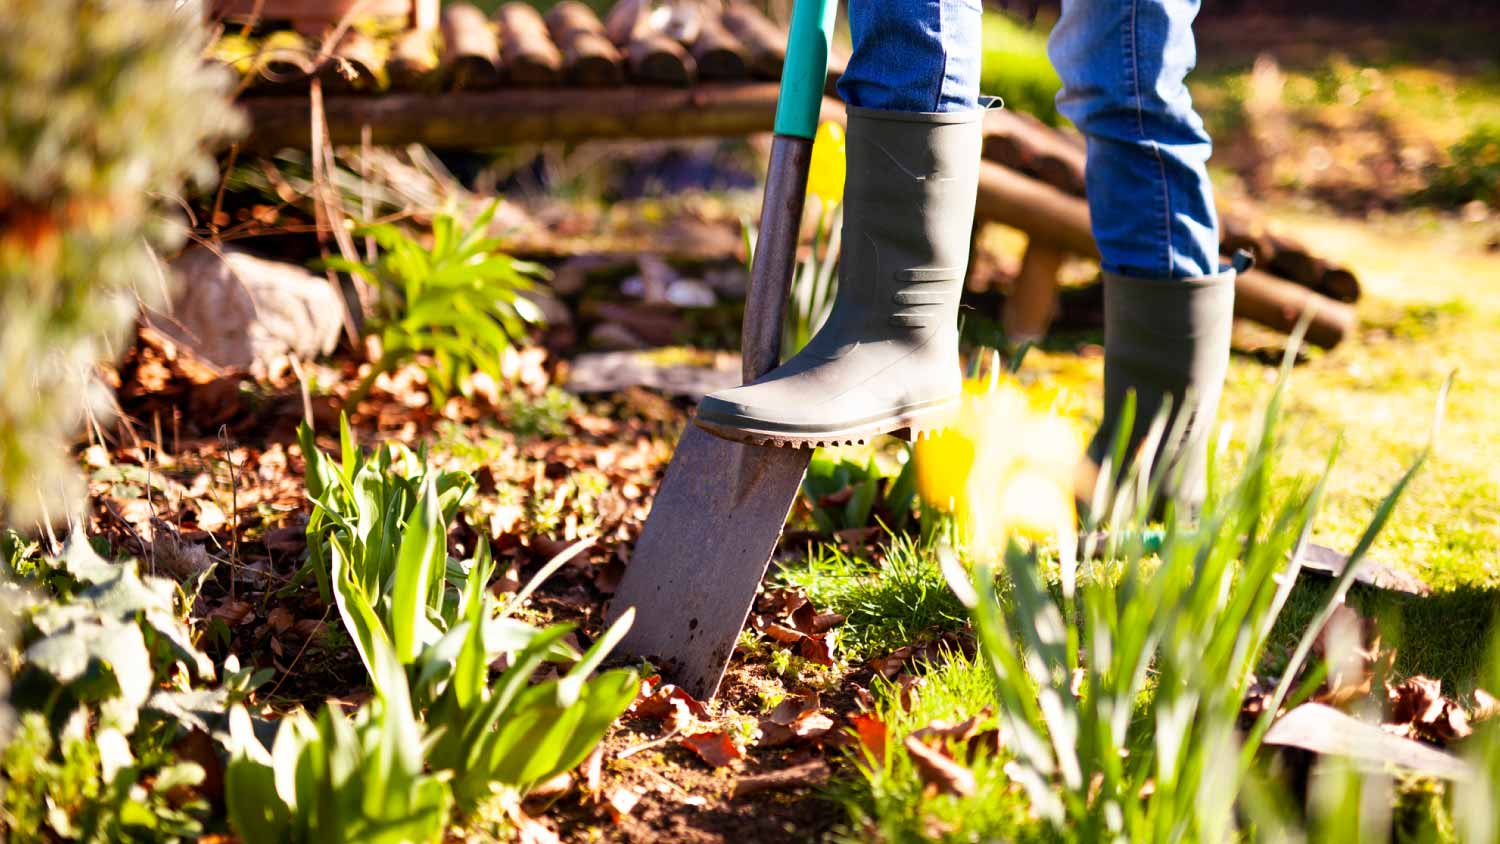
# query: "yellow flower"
1005, 466
825, 173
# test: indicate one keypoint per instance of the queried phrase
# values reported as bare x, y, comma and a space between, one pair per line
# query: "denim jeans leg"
914, 55
1123, 64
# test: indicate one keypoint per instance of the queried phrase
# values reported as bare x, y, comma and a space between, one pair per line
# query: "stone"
240, 311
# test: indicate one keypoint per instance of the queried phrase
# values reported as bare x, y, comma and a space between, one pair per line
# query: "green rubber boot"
887, 358
1167, 340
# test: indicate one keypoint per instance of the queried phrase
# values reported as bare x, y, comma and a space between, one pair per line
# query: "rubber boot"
1167, 340
887, 357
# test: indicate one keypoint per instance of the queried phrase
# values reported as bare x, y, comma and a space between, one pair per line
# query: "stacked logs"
676, 45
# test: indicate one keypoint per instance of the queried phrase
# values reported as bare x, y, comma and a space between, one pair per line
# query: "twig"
297, 658
647, 745
234, 527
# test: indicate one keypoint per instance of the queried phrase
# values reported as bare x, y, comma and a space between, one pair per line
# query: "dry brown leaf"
816, 649
668, 702
872, 733
715, 747
939, 770
1419, 709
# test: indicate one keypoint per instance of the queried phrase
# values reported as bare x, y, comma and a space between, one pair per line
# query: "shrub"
105, 110
92, 759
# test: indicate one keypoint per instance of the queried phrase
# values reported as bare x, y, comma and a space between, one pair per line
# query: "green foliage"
1476, 812
888, 800
456, 304
363, 503
433, 619
547, 415
91, 761
847, 494
65, 789
105, 110
1472, 170
1015, 67
1136, 675
359, 780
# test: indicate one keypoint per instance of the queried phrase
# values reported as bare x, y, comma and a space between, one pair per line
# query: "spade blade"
694, 572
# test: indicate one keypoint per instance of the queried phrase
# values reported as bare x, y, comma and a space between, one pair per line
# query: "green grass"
886, 800
901, 600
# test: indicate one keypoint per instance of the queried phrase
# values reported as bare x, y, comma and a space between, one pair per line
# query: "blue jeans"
1123, 65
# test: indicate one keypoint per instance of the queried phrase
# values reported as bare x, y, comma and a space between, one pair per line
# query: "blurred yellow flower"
1005, 466
825, 173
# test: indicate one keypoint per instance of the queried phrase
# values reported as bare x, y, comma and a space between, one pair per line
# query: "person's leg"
1168, 304
913, 55
887, 356
1123, 64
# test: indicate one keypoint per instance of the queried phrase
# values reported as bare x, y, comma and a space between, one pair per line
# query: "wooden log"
479, 119
719, 54
526, 47
656, 59
357, 64
1021, 142
414, 62
589, 57
765, 42
1048, 215
471, 53
1032, 304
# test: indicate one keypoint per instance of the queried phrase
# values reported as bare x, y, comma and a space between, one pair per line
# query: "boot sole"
911, 425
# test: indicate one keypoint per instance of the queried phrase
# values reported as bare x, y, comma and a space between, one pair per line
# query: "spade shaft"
698, 563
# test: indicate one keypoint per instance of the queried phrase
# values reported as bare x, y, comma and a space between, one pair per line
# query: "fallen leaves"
1418, 709
798, 717
787, 617
664, 701
938, 770
714, 747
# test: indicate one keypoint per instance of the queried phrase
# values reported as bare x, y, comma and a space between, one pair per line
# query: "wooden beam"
470, 119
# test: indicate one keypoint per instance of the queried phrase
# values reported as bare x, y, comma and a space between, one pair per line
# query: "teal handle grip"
805, 71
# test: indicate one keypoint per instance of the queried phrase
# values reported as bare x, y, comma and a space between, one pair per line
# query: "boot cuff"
1225, 276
